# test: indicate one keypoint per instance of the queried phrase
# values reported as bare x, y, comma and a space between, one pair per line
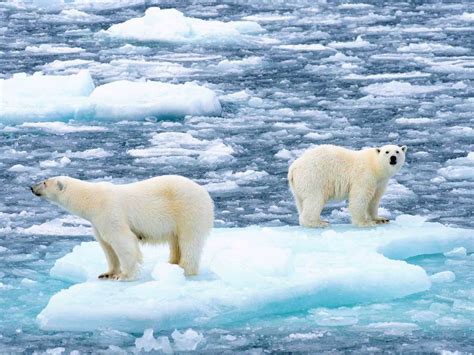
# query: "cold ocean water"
241, 101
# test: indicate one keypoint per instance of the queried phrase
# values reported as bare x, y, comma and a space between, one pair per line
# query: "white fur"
329, 172
170, 209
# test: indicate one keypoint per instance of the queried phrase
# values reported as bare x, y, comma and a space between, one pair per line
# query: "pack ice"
251, 272
41, 97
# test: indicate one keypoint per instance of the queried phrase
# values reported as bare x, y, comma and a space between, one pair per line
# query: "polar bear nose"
393, 160
34, 189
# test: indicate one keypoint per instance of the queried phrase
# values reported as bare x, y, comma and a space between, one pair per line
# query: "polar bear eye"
386, 152
398, 152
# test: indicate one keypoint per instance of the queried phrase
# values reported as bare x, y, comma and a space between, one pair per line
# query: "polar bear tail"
290, 177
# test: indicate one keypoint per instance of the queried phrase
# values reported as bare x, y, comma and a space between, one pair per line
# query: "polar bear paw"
314, 224
109, 275
381, 220
365, 224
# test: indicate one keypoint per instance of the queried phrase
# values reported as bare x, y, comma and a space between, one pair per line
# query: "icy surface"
281, 89
250, 273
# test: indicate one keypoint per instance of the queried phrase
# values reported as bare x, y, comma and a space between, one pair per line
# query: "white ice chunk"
251, 272
178, 144
170, 25
398, 88
53, 49
48, 97
313, 47
459, 168
443, 276
148, 343
460, 252
186, 341
359, 42
128, 100
62, 128
39, 97
436, 48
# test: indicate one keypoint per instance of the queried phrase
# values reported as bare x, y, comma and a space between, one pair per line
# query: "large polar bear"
169, 209
329, 172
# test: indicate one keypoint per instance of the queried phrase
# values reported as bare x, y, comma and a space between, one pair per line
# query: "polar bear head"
391, 158
51, 189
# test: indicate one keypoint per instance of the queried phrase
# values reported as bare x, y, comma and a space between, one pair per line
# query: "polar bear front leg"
125, 245
112, 259
359, 200
374, 206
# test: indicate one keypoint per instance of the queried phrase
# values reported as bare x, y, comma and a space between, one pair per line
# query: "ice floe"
42, 97
63, 97
251, 272
133, 100
168, 147
399, 88
171, 25
53, 49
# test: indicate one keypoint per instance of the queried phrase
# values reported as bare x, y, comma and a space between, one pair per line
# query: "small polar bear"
329, 172
162, 209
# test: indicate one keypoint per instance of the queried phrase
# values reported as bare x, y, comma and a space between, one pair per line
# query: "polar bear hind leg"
310, 215
191, 244
175, 253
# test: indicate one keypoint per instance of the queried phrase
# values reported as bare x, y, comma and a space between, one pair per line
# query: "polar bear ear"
404, 148
378, 150
60, 185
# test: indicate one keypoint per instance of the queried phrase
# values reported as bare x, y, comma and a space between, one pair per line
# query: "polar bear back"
166, 205
330, 170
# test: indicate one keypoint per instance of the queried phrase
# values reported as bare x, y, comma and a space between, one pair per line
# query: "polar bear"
330, 172
170, 209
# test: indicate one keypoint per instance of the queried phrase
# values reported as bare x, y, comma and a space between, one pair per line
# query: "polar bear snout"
38, 189
393, 160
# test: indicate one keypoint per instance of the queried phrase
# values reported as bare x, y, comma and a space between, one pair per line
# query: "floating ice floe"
312, 47
400, 88
42, 97
251, 272
170, 25
133, 100
63, 97
183, 147
62, 128
359, 42
459, 168
436, 48
53, 49
73, 16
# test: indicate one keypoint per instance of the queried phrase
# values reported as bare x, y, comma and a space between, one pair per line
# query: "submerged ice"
252, 272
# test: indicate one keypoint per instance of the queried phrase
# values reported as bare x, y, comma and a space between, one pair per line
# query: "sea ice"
132, 100
456, 253
63, 97
170, 25
53, 49
186, 148
443, 276
251, 272
40, 97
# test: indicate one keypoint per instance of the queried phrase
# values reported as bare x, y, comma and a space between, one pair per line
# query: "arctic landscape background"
240, 96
